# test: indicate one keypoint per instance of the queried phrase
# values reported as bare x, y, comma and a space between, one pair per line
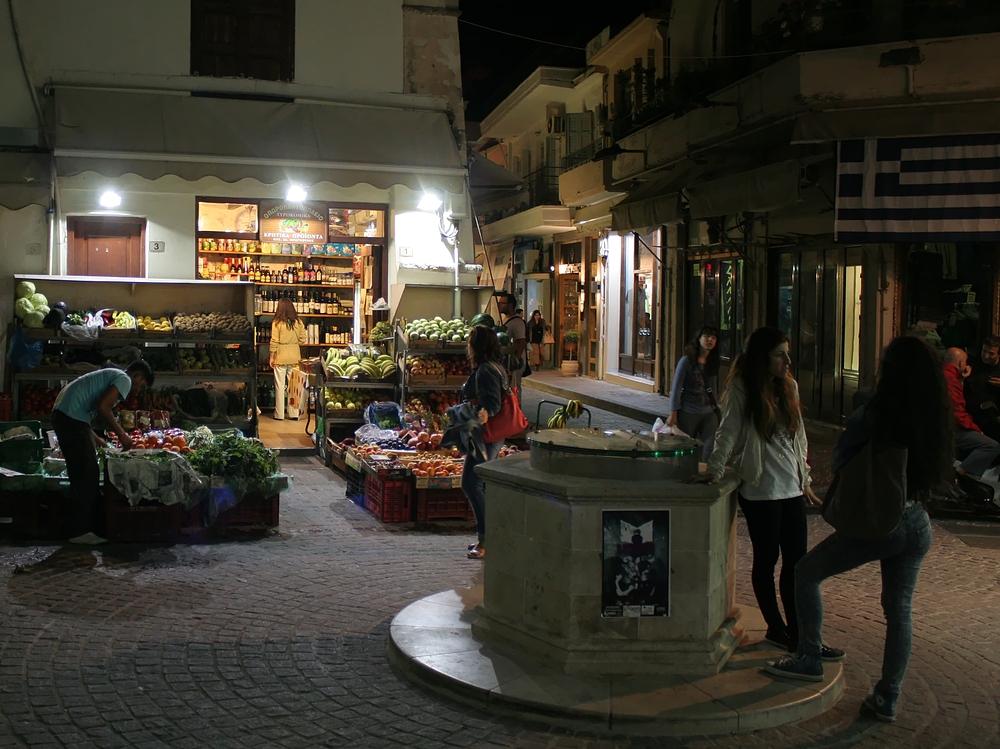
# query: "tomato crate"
391, 501
256, 508
439, 504
355, 485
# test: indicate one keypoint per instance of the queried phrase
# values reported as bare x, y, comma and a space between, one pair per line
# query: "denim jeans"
982, 451
702, 427
900, 553
475, 488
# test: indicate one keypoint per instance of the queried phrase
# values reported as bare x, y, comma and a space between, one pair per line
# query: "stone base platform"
431, 642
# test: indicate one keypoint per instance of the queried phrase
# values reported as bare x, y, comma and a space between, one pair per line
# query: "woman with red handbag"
485, 386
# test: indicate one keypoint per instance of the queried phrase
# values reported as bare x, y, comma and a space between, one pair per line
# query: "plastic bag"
660, 427
370, 433
385, 415
86, 332
25, 354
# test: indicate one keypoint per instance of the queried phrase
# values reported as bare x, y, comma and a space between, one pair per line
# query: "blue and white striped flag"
928, 189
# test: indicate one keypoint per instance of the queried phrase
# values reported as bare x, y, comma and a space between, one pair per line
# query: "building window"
243, 39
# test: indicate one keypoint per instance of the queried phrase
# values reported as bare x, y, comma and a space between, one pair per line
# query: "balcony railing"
583, 156
640, 97
541, 187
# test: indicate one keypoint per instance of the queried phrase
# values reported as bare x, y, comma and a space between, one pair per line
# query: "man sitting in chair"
969, 438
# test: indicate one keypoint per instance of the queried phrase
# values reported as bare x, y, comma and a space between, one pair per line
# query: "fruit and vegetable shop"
206, 453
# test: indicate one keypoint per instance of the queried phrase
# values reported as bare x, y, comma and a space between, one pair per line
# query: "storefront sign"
300, 223
636, 563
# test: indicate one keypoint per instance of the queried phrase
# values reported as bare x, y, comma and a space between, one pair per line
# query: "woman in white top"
762, 435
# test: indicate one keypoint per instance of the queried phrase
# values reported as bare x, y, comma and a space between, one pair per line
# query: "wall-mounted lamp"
296, 193
110, 199
430, 202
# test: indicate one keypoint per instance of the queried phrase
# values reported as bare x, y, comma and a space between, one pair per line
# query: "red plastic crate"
147, 521
440, 504
390, 500
255, 509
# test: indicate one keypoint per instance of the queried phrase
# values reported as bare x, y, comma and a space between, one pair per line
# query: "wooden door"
106, 246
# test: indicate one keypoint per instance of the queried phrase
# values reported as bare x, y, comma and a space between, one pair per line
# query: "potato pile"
226, 323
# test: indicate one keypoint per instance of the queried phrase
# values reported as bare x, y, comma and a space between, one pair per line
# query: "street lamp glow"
110, 199
430, 202
296, 194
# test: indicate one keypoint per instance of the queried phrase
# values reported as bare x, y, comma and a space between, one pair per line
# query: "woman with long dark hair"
287, 334
693, 404
911, 408
486, 386
537, 328
763, 435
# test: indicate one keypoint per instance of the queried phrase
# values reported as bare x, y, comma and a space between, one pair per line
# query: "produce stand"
228, 304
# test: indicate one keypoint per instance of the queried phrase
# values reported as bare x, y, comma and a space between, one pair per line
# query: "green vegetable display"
234, 456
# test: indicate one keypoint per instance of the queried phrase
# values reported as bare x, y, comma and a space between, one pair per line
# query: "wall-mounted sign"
636, 563
303, 223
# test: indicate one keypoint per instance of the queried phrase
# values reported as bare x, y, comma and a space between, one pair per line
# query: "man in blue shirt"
80, 402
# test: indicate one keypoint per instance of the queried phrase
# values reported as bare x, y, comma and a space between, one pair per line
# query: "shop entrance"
716, 290
106, 246
819, 308
637, 335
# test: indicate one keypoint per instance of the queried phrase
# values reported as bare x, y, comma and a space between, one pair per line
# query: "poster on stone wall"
636, 563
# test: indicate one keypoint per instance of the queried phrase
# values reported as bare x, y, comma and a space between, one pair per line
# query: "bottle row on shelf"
304, 302
252, 246
317, 334
291, 274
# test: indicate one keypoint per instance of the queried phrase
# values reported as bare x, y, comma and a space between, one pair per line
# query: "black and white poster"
636, 563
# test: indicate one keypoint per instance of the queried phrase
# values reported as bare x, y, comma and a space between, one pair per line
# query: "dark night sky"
494, 64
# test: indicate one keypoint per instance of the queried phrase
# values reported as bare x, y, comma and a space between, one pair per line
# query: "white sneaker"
89, 538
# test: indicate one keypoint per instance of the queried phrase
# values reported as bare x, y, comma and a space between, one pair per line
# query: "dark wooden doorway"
106, 246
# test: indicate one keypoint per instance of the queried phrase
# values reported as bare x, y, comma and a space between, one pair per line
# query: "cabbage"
22, 307
39, 300
43, 309
25, 289
34, 319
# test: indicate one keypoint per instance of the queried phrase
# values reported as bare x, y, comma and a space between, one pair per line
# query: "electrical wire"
519, 36
584, 49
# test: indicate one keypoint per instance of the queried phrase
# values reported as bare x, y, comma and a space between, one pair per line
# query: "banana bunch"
571, 410
123, 319
558, 419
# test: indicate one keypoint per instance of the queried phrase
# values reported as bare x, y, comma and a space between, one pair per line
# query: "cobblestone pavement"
280, 642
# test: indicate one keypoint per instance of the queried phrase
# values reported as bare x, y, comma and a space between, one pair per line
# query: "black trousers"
776, 526
76, 440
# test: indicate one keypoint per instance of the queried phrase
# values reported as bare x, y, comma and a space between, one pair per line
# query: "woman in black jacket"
486, 386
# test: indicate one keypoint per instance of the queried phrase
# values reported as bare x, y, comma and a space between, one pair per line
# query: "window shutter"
579, 131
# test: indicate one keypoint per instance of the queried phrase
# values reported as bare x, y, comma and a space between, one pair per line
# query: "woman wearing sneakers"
911, 408
763, 436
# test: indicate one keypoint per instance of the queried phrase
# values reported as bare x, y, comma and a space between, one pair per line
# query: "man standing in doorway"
517, 336
92, 395
982, 389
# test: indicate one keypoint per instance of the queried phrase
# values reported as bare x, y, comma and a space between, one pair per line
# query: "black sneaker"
778, 637
832, 655
879, 707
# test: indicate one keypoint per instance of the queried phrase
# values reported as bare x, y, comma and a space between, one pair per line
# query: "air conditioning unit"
556, 124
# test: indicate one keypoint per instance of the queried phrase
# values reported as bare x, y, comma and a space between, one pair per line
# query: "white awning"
151, 135
24, 179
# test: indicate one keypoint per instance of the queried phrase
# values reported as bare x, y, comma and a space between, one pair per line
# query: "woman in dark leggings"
762, 435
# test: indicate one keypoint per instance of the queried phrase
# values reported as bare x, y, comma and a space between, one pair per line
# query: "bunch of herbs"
234, 456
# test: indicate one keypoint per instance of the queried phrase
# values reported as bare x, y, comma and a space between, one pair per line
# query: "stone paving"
279, 641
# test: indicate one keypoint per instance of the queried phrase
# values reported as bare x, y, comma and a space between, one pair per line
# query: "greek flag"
926, 189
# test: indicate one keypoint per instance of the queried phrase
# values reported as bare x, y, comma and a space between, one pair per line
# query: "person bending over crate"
92, 395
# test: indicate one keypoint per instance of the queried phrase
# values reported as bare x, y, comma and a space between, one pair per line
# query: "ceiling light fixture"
296, 193
110, 199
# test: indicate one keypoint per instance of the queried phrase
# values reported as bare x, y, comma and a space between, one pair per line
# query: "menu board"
302, 223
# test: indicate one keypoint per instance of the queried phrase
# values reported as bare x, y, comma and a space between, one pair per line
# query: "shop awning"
24, 179
904, 121
759, 190
656, 203
152, 135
